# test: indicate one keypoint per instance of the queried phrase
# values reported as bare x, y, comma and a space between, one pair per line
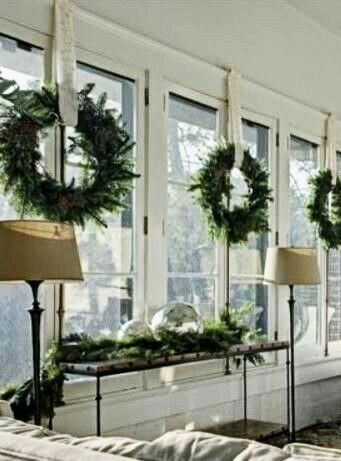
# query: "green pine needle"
212, 189
100, 140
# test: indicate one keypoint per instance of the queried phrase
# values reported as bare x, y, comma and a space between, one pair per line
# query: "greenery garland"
216, 336
324, 213
100, 140
213, 189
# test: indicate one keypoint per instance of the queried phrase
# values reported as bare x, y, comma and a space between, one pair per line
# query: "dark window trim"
22, 44
193, 102
105, 71
299, 138
252, 124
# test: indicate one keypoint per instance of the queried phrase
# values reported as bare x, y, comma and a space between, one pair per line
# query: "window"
334, 282
24, 64
303, 164
191, 255
247, 261
106, 298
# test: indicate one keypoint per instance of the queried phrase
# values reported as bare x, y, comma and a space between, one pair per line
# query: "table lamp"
291, 266
34, 252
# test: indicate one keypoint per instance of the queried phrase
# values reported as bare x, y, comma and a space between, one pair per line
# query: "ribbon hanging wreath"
213, 189
99, 140
324, 208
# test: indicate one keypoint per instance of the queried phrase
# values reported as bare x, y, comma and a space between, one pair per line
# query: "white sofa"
26, 442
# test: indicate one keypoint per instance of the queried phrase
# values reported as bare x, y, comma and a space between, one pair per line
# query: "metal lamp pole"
35, 313
291, 302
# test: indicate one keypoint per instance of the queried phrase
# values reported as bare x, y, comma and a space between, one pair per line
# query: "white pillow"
303, 451
123, 446
200, 446
261, 452
15, 426
17, 447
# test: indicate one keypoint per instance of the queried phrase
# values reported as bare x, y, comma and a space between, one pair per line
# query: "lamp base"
35, 313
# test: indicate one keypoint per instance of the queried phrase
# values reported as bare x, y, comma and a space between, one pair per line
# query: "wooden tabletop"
118, 366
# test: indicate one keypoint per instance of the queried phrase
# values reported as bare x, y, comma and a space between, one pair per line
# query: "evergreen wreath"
213, 189
325, 213
102, 143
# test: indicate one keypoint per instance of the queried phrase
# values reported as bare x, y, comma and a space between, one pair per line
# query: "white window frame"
220, 107
106, 65
109, 46
304, 352
271, 124
41, 41
334, 347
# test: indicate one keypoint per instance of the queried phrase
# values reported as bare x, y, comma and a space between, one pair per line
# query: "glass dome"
179, 316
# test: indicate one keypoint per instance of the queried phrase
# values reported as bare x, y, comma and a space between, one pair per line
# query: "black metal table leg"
288, 392
98, 406
51, 412
227, 366
245, 387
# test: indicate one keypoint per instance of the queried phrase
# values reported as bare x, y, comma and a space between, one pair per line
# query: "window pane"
107, 250
99, 305
334, 281
303, 164
191, 131
25, 65
188, 251
104, 251
247, 261
198, 291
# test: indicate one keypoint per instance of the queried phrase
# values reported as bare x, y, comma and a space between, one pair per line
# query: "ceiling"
280, 43
327, 13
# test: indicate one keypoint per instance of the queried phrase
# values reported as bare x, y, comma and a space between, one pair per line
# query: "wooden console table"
244, 428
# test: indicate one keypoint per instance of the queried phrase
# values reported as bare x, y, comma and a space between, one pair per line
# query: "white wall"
280, 50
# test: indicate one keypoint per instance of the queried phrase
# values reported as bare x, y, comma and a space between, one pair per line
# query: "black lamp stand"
35, 313
291, 302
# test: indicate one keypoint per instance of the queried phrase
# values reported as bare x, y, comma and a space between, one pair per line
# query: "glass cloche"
178, 316
133, 327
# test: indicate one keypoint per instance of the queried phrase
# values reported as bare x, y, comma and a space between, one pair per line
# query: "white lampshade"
38, 251
291, 266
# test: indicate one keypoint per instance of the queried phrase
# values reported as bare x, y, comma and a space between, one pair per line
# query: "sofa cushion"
21, 448
301, 451
15, 426
200, 446
124, 446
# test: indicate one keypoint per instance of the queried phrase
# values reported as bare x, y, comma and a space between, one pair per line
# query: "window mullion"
156, 191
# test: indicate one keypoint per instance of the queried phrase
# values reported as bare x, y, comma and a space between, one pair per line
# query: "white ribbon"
331, 147
64, 57
234, 114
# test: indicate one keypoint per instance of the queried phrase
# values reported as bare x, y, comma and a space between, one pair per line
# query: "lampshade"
38, 250
291, 266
